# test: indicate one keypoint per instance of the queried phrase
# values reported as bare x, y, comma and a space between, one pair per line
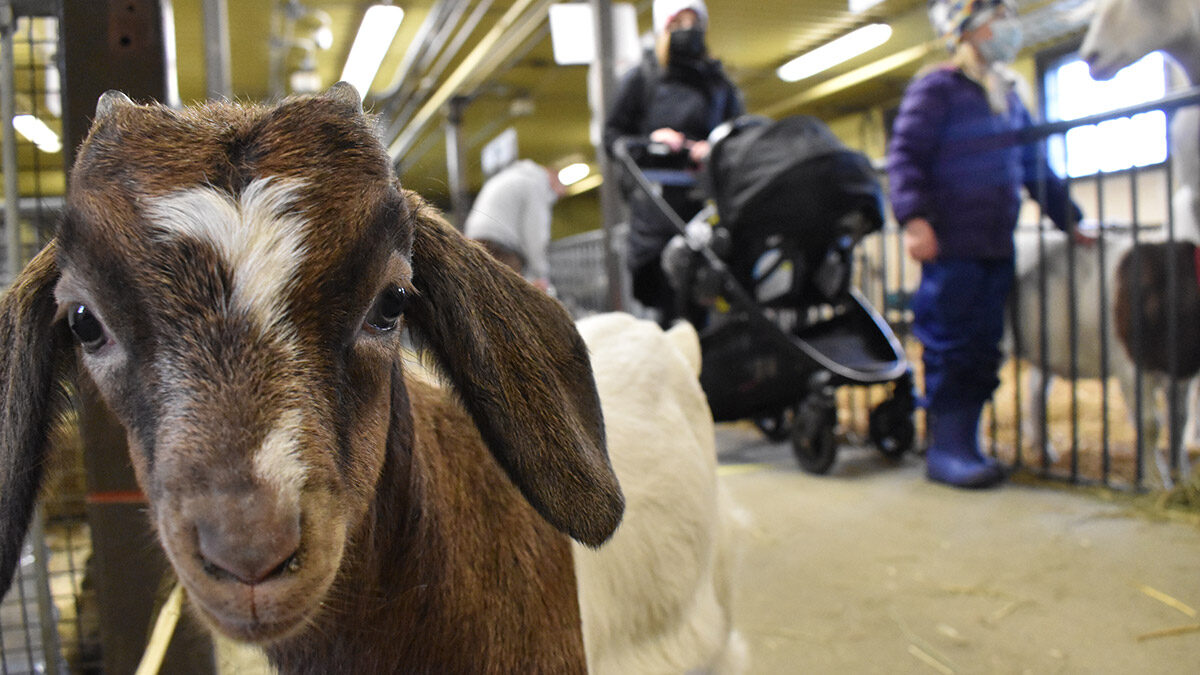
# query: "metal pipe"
475, 65
1101, 257
400, 89
1138, 398
456, 161
217, 73
1172, 101
426, 75
47, 619
1072, 317
610, 205
1174, 442
508, 42
8, 134
432, 72
1043, 314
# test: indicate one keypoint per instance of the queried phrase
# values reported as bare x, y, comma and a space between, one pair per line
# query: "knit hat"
952, 18
665, 10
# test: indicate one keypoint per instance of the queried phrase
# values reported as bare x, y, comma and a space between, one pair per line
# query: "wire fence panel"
47, 622
578, 276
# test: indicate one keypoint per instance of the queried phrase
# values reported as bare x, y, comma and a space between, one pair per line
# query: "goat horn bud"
345, 93
110, 101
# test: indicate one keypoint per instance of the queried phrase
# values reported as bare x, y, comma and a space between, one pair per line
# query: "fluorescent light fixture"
573, 37
573, 173
857, 6
379, 26
37, 132
832, 53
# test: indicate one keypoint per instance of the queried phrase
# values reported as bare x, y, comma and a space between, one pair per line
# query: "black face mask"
686, 44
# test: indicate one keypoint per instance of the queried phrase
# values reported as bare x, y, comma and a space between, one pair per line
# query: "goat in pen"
1121, 32
1043, 277
234, 280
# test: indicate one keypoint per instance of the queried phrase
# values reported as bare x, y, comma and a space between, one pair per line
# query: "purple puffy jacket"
955, 162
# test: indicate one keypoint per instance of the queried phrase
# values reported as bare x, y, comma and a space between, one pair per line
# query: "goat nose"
252, 541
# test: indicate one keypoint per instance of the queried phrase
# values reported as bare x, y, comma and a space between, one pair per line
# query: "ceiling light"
37, 132
379, 26
323, 36
832, 53
573, 38
857, 6
573, 173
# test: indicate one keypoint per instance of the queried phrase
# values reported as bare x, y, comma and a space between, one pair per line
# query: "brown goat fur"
1142, 307
241, 263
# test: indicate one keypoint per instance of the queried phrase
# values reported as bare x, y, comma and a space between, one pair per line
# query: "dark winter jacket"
692, 100
955, 162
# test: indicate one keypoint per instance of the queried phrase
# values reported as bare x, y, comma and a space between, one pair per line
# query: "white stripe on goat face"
260, 238
278, 462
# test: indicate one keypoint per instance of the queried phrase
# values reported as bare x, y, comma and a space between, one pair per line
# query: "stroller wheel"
777, 426
891, 427
813, 438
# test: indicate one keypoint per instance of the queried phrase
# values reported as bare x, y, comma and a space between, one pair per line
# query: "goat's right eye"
87, 328
385, 313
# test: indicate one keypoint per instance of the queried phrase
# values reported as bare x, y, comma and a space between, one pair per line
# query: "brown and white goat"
1043, 260
234, 282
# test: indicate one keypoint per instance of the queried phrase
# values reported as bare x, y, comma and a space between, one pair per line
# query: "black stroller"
788, 329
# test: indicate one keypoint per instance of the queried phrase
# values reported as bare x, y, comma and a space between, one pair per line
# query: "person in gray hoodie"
511, 218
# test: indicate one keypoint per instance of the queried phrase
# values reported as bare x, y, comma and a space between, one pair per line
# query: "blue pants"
958, 315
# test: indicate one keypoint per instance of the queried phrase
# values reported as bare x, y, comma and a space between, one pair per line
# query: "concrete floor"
872, 569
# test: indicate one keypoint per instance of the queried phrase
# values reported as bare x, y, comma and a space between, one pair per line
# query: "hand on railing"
1085, 232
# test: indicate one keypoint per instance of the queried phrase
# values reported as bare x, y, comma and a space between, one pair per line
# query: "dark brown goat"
1149, 276
1142, 307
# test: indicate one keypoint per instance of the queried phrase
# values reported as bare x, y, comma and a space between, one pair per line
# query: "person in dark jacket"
955, 171
676, 98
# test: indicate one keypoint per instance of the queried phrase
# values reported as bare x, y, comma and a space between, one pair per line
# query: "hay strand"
1168, 600
924, 657
1170, 632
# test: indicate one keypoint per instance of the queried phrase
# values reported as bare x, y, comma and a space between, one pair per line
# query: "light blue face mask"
1005, 42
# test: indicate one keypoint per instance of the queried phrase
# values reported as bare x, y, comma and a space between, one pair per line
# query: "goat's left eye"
87, 328
387, 309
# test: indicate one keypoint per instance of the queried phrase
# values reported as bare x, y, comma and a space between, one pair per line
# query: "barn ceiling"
522, 87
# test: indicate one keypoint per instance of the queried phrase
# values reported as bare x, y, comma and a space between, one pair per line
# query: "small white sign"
499, 152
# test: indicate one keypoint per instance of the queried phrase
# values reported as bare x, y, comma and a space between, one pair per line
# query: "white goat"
1086, 299
234, 282
1123, 31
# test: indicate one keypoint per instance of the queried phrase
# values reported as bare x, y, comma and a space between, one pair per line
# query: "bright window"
1118, 144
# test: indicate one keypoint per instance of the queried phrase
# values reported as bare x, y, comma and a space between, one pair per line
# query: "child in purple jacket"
955, 172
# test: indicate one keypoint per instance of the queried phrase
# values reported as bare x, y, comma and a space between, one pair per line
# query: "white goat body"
656, 598
1123, 31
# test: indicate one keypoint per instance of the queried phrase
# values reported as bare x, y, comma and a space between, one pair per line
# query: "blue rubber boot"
953, 456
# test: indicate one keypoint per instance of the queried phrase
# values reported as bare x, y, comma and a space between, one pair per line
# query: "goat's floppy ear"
33, 362
523, 373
